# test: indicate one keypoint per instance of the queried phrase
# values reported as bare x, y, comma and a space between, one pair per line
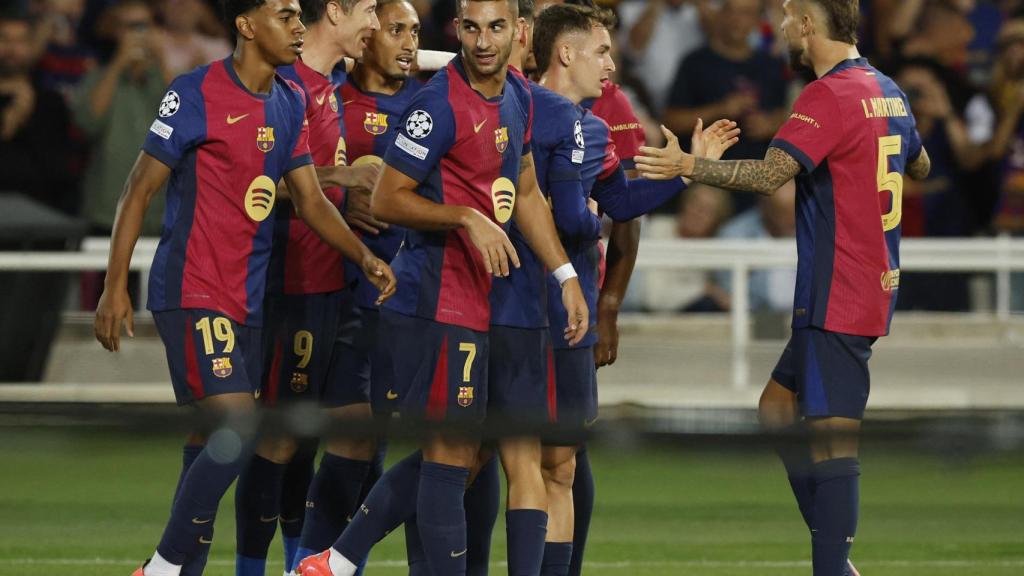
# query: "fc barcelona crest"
265, 138
299, 382
333, 101
375, 123
465, 396
222, 367
501, 139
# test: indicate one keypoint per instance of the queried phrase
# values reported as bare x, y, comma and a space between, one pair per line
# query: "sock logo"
849, 539
268, 519
310, 504
457, 554
205, 540
198, 521
364, 509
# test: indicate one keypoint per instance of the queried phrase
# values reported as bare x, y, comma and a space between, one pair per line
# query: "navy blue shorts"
299, 331
384, 391
521, 384
828, 372
575, 407
442, 368
209, 354
348, 380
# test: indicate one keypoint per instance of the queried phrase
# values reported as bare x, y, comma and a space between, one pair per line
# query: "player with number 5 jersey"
849, 141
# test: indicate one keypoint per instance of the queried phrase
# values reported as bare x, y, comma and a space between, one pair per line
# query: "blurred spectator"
34, 123
655, 36
702, 210
192, 35
941, 33
774, 217
1008, 144
727, 78
115, 106
65, 57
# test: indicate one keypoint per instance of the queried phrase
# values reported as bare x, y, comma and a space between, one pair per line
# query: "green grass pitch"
94, 503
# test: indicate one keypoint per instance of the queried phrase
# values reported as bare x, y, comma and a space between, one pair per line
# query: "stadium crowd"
79, 80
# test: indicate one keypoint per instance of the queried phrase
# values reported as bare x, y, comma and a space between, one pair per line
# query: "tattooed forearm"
920, 167
761, 176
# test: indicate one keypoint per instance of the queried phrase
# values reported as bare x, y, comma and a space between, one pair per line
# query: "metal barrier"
1001, 255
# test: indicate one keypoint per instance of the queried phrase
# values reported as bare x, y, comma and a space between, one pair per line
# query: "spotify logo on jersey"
503, 195
259, 198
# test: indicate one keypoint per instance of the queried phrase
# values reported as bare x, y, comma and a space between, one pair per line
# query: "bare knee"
559, 469
277, 450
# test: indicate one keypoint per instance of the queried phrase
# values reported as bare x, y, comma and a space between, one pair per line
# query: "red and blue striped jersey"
227, 148
853, 133
371, 120
572, 145
614, 108
462, 149
302, 263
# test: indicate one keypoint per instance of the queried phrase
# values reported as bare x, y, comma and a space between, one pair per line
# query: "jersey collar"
459, 67
847, 64
238, 82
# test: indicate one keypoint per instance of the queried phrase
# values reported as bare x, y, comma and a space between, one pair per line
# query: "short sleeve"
625, 130
180, 123
528, 133
814, 128
301, 154
425, 134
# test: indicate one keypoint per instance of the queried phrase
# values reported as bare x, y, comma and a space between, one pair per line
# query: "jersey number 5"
891, 182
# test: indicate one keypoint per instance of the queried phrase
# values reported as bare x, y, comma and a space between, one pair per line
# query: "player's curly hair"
559, 19
843, 19
527, 9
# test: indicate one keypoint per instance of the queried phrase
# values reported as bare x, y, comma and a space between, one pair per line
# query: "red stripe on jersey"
274, 378
220, 222
192, 377
437, 403
552, 387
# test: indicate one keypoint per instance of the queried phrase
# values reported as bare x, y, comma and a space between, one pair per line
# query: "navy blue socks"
441, 516
583, 509
836, 502
557, 556
257, 508
297, 478
796, 457
482, 501
333, 499
526, 531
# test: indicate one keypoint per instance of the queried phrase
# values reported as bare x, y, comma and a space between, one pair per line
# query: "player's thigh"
575, 406
209, 355
520, 387
520, 455
354, 438
778, 407
834, 438
443, 368
298, 346
832, 373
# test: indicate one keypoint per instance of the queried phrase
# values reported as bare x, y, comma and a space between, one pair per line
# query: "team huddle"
337, 232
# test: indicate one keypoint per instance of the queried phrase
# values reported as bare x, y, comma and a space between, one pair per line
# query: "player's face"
392, 50
277, 31
357, 27
796, 41
593, 62
15, 48
486, 31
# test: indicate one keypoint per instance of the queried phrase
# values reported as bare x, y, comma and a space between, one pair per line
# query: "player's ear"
333, 11
521, 31
565, 54
245, 28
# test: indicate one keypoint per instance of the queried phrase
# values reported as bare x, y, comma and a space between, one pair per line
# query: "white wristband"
564, 272
431, 60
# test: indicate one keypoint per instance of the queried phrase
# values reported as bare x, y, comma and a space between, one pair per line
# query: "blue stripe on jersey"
165, 289
419, 268
822, 245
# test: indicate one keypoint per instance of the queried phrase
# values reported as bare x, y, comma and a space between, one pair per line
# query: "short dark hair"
843, 19
231, 9
526, 9
313, 10
559, 19
513, 4
584, 3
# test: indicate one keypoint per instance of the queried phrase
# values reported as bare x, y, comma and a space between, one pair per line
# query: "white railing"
1001, 256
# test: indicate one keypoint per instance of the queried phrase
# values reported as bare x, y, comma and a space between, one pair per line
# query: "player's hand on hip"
578, 320
115, 307
380, 275
358, 213
713, 141
663, 163
496, 249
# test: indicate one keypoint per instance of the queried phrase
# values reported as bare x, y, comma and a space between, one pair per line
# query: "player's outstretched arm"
534, 220
920, 167
760, 176
395, 201
323, 217
147, 176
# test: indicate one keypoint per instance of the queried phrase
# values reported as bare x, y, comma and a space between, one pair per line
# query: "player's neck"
253, 71
830, 54
320, 52
488, 86
556, 80
373, 81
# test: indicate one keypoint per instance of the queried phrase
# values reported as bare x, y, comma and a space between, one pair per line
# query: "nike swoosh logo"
347, 102
203, 540
198, 521
235, 119
477, 127
320, 100
391, 395
267, 520
289, 520
457, 554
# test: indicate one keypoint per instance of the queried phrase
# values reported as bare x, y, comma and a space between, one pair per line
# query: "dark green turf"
91, 503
